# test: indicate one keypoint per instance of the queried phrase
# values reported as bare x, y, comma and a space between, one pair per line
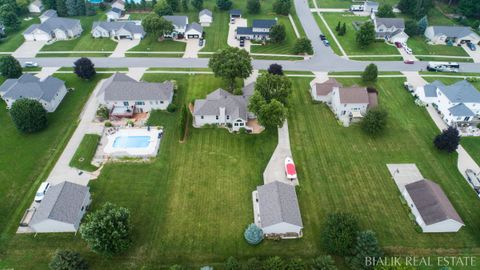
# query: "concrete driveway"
232, 27
404, 174
28, 49
475, 55
46, 71
123, 45
192, 48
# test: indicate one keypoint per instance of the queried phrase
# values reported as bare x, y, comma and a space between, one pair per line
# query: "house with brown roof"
433, 212
323, 91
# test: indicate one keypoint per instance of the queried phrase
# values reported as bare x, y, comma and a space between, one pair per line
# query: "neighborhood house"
51, 13
117, 11
225, 109
367, 6
276, 210
205, 17
432, 210
260, 30
62, 208
125, 96
389, 29
181, 28
451, 35
49, 91
458, 104
349, 104
35, 7
53, 28
118, 30
234, 14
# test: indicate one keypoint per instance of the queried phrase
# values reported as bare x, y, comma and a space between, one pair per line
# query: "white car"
408, 50
30, 64
41, 191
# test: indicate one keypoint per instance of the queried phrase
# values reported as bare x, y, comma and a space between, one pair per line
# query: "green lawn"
152, 44
34, 154
85, 153
85, 42
285, 47
14, 39
348, 40
449, 81
472, 145
217, 33
419, 46
343, 3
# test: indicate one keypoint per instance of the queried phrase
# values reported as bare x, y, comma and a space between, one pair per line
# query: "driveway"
46, 71
405, 55
475, 55
28, 49
404, 174
232, 27
123, 45
192, 48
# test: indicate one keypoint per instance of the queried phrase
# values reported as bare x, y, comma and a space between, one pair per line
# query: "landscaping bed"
82, 159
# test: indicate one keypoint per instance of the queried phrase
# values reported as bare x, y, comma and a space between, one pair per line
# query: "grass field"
85, 42
472, 145
285, 47
152, 44
183, 212
14, 39
83, 156
343, 3
419, 46
20, 176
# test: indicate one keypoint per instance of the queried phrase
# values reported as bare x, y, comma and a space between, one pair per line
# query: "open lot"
14, 39
191, 204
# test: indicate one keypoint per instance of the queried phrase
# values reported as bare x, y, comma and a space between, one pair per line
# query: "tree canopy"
366, 34
230, 64
8, 17
162, 8
339, 233
448, 140
303, 45
68, 260
385, 11
84, 68
278, 33
275, 69
156, 26
232, 264
253, 6
375, 121
324, 262
10, 67
197, 4
28, 115
224, 4
366, 246
415, 8
274, 87
370, 73
282, 7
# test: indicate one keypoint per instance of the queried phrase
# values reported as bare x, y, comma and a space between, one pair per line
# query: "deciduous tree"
224, 4
339, 233
385, 11
84, 68
274, 87
375, 121
174, 4
253, 6
156, 26
282, 7
28, 115
303, 45
275, 69
8, 17
370, 73
448, 140
197, 4
230, 64
366, 34
162, 8
278, 33
10, 67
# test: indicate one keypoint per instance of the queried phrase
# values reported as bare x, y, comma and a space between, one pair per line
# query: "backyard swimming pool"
95, 1
131, 142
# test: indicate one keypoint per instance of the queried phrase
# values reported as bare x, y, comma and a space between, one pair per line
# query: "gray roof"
195, 26
461, 110
430, 90
371, 4
29, 86
249, 31
389, 22
131, 27
353, 95
178, 21
49, 13
120, 87
37, 3
54, 23
431, 202
62, 202
205, 12
263, 23
459, 92
452, 31
278, 203
235, 106
248, 89
236, 12
116, 10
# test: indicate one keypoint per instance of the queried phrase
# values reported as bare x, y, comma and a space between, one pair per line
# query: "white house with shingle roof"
35, 6
205, 17
432, 210
53, 28
121, 91
390, 29
49, 91
194, 30
455, 34
277, 211
118, 30
62, 208
50, 13
323, 91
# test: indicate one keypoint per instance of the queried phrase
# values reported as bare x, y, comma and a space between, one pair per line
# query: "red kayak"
290, 168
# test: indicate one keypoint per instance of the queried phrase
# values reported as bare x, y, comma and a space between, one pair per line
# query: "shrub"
339, 233
375, 121
68, 260
370, 73
274, 263
253, 234
28, 115
171, 107
324, 262
232, 264
303, 45
176, 267
278, 33
296, 264
448, 140
108, 124
253, 264
102, 113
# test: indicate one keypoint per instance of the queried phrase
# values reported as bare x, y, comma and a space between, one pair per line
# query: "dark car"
242, 42
471, 46
398, 44
322, 37
200, 42
326, 43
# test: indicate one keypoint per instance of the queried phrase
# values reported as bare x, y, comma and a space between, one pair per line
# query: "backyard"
192, 203
85, 152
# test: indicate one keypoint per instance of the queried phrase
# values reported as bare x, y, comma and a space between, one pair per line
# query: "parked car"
326, 43
242, 42
407, 50
408, 62
323, 37
471, 46
41, 191
200, 42
398, 44
30, 64
408, 87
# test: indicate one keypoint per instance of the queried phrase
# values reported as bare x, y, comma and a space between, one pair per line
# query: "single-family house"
49, 91
62, 208
114, 14
35, 6
53, 29
389, 29
205, 17
223, 108
260, 30
277, 211
120, 4
118, 30
433, 212
194, 30
180, 24
323, 91
50, 13
452, 35
124, 95
235, 13
366, 7
458, 104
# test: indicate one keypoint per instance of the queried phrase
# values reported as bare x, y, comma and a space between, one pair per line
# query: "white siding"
343, 111
282, 228
51, 226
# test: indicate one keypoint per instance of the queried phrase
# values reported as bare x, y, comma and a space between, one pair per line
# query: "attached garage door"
193, 36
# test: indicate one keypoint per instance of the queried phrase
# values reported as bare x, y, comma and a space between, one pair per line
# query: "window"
201, 117
139, 103
216, 117
161, 102
125, 103
228, 117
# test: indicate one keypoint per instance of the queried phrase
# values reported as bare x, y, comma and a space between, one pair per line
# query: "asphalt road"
323, 60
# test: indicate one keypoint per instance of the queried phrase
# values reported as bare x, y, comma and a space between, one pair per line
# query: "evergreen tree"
253, 6
365, 247
185, 5
71, 7
10, 68
337, 28
8, 17
375, 121
422, 24
68, 260
224, 4
253, 234
344, 28
278, 33
90, 9
339, 233
81, 8
49, 4
232, 264
385, 11
197, 4
370, 73
174, 5
323, 263
61, 8
448, 140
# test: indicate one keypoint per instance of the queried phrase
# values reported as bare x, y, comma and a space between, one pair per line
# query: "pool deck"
107, 150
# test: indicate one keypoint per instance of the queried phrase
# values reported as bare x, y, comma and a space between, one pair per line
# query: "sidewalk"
294, 26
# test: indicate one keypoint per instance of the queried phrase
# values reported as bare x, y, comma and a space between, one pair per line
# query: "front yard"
149, 44
14, 39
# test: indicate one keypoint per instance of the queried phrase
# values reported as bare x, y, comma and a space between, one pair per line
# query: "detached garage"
194, 30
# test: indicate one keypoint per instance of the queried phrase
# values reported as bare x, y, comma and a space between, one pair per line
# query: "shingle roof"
324, 88
116, 10
371, 4
121, 87
178, 21
249, 31
49, 13
195, 26
431, 202
389, 22
37, 3
353, 95
278, 203
54, 23
235, 106
235, 12
248, 89
205, 12
131, 27
29, 86
263, 23
452, 31
62, 202
461, 110
459, 92
430, 90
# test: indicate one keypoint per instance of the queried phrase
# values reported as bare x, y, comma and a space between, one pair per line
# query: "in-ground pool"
131, 141
95, 1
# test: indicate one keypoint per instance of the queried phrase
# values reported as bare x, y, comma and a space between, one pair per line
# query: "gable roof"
461, 110
122, 87
371, 4
325, 88
353, 95
235, 106
54, 23
205, 12
62, 202
459, 92
36, 3
235, 12
452, 31
131, 27
248, 89
177, 21
263, 23
430, 90
431, 202
391, 22
278, 203
50, 13
29, 86
195, 26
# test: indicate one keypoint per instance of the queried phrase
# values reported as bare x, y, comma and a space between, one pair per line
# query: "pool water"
95, 1
131, 142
